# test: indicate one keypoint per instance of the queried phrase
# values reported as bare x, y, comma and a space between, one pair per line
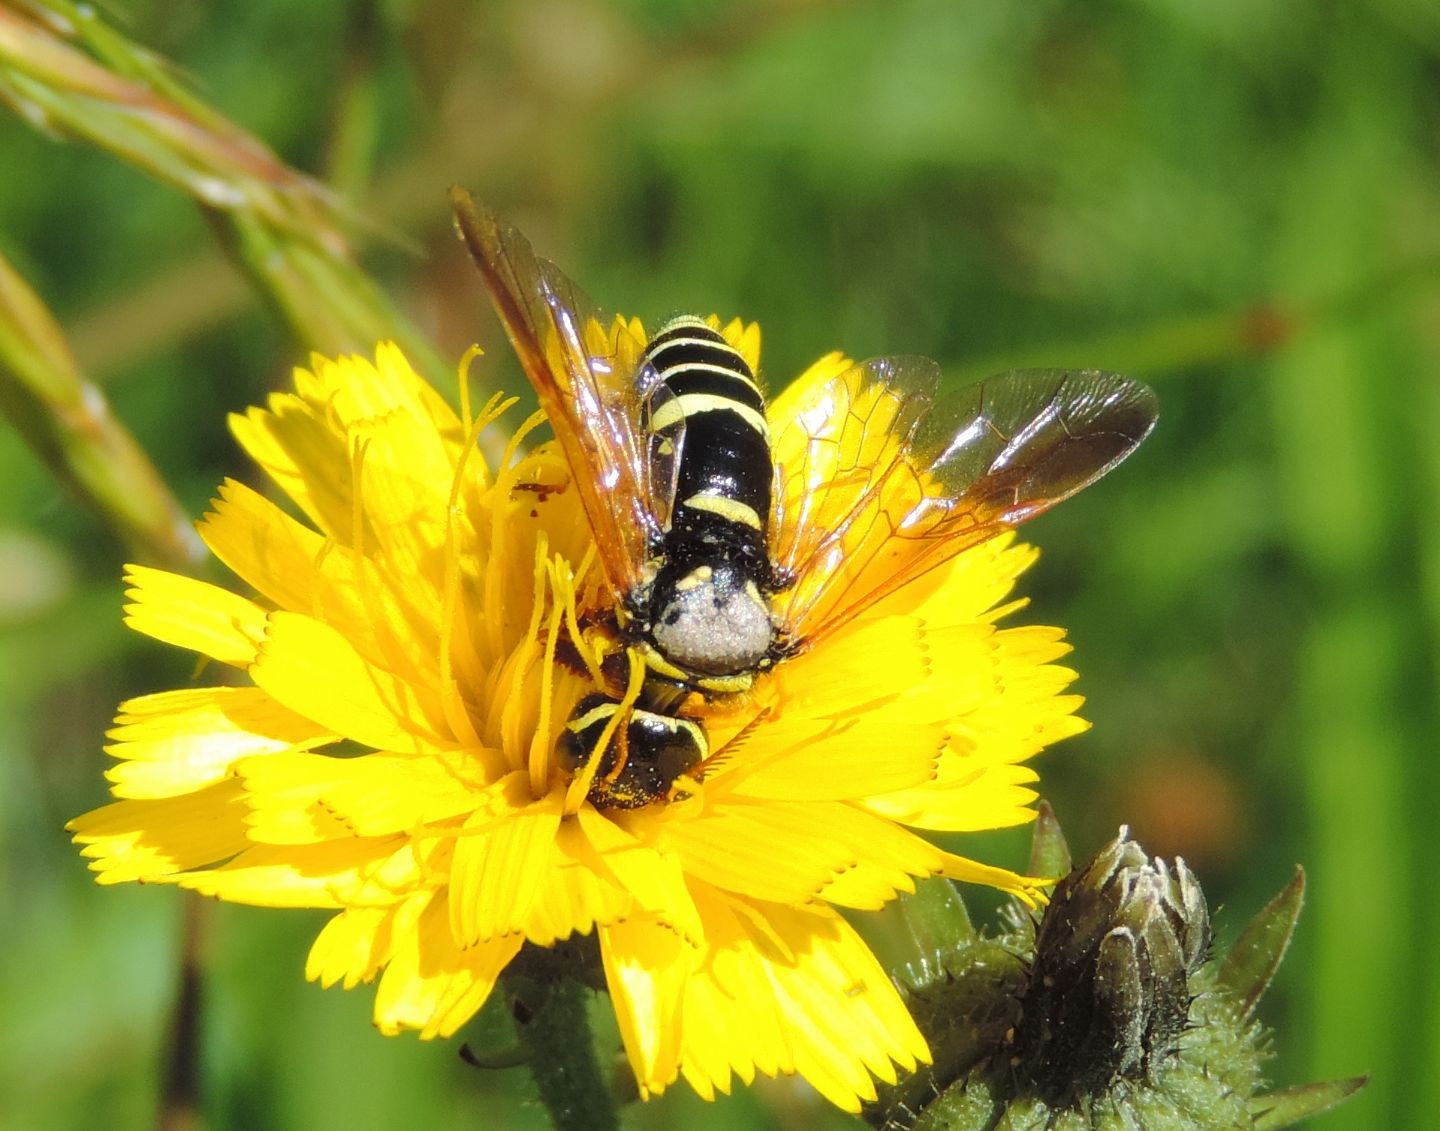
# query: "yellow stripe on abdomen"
732, 509
693, 404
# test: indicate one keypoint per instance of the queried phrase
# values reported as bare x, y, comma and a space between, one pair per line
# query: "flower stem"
180, 1102
63, 417
63, 68
554, 1031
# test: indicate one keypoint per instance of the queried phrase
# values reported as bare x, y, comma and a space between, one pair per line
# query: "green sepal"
1251, 963
1049, 852
1290, 1105
935, 917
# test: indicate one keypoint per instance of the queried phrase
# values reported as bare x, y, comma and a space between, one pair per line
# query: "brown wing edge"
600, 444
1036, 435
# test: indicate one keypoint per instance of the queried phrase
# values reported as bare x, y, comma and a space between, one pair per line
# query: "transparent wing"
584, 368
665, 445
834, 457
877, 483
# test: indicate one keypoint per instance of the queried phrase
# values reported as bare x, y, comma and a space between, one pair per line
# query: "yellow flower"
415, 646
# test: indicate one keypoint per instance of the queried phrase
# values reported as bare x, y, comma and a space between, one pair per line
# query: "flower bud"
1109, 988
1105, 1017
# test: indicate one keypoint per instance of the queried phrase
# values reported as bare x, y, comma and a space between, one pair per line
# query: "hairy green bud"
1108, 1015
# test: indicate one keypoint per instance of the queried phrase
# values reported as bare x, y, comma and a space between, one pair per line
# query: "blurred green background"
1237, 200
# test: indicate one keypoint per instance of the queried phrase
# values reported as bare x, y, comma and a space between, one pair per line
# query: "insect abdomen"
723, 481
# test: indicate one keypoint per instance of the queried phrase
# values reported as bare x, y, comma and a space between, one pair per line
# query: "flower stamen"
590, 659
367, 568
462, 381
540, 741
494, 597
507, 709
512, 449
457, 711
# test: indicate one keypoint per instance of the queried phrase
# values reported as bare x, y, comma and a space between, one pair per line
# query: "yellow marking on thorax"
694, 579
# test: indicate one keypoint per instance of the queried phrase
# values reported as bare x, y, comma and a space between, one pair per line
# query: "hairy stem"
554, 1031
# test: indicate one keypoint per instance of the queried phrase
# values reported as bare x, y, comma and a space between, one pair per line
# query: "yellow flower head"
416, 643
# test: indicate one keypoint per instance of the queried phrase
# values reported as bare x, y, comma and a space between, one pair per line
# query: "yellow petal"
383, 614
848, 1020
384, 420
266, 548
431, 984
1006, 704
655, 880
799, 852
801, 759
192, 614
577, 895
389, 396
1027, 889
503, 855
405, 496
979, 786
150, 840
407, 389
733, 1024
839, 1017
863, 668
647, 964
307, 456
316, 672
971, 587
302, 798
998, 797
783, 410
744, 338
179, 741
353, 946
302, 875
922, 671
